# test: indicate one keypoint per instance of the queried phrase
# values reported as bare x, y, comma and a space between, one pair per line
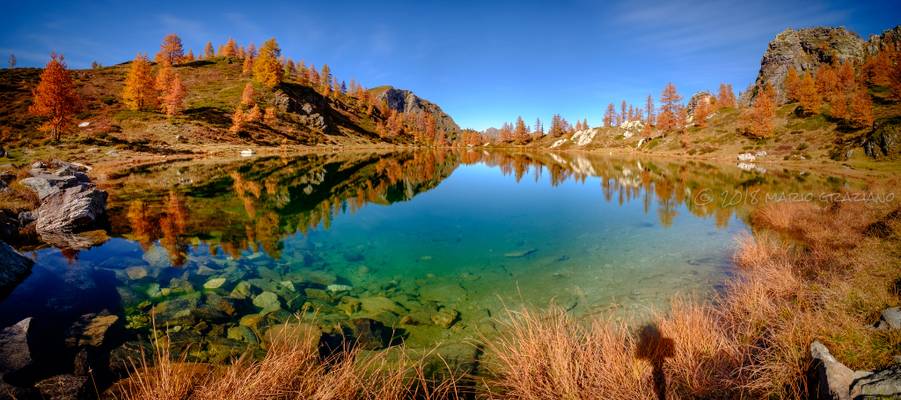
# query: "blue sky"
484, 62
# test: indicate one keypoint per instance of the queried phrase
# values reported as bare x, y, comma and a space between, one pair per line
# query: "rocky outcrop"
405, 101
696, 99
807, 49
304, 107
13, 268
885, 140
72, 209
70, 203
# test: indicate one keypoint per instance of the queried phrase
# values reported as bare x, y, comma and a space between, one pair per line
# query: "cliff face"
807, 49
405, 101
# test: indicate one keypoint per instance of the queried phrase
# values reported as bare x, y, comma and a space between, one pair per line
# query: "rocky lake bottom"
420, 248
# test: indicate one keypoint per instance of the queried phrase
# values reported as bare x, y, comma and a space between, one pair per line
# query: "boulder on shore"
71, 209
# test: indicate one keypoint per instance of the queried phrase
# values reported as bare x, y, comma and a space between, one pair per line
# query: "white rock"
84, 124
246, 153
746, 157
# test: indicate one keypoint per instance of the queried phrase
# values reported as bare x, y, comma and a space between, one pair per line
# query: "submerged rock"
64, 387
370, 334
14, 351
520, 253
268, 301
445, 317
214, 283
242, 333
135, 273
90, 330
14, 267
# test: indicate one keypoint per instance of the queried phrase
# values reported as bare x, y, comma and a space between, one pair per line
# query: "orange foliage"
267, 69
809, 95
171, 51
725, 97
671, 113
56, 98
759, 117
140, 92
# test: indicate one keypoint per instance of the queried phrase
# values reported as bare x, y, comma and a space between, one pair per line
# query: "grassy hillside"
796, 137
214, 90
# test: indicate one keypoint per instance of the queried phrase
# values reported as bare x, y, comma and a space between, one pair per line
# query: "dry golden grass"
810, 273
291, 369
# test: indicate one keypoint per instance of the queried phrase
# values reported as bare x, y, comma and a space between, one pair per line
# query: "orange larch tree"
190, 56
809, 95
726, 97
701, 112
671, 111
140, 91
55, 98
649, 106
266, 68
609, 115
623, 115
230, 49
247, 67
247, 95
520, 132
759, 117
171, 51
174, 96
208, 52
860, 107
792, 84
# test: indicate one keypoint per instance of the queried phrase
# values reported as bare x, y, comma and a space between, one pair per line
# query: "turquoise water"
435, 245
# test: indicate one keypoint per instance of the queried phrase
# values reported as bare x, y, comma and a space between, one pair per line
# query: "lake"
433, 245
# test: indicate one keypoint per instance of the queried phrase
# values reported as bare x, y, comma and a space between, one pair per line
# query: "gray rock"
833, 379
805, 50
14, 267
885, 141
14, 351
71, 209
883, 384
45, 185
445, 318
64, 387
696, 99
405, 101
890, 319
